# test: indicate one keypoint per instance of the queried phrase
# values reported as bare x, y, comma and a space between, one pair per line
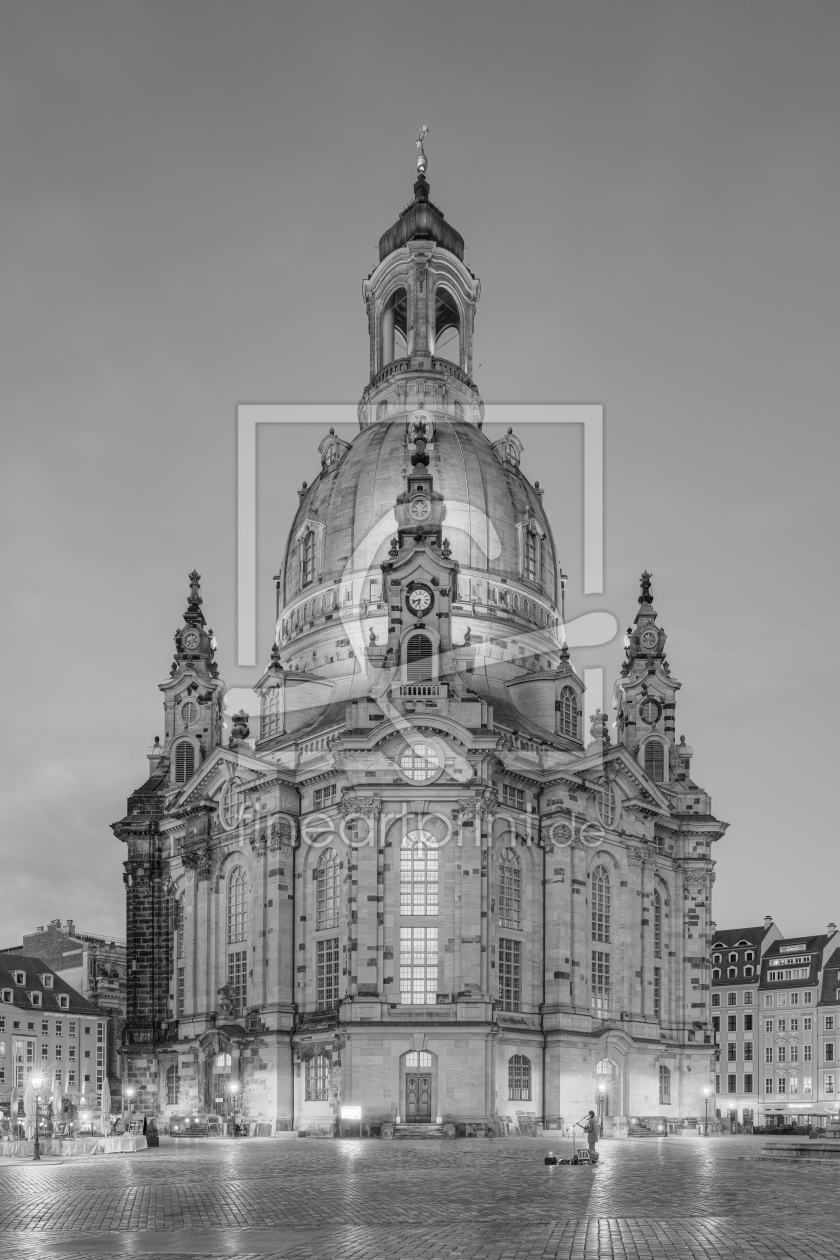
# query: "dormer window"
567, 713
655, 760
35, 998
8, 995
19, 977
63, 1001
308, 558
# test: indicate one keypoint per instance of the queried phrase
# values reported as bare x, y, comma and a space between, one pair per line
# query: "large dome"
488, 502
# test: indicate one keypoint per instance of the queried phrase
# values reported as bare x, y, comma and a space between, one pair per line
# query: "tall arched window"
531, 545
447, 327
184, 761
655, 760
519, 1077
308, 558
510, 890
568, 711
394, 327
418, 874
237, 911
418, 656
664, 1085
327, 893
607, 802
657, 925
601, 908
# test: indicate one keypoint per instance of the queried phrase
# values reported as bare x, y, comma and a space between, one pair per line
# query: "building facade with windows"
50, 1030
798, 1030
736, 971
421, 884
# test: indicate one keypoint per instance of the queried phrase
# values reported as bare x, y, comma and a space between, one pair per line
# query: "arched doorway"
607, 1101
220, 1083
419, 1087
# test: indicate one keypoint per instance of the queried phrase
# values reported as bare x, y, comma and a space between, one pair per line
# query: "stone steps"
418, 1131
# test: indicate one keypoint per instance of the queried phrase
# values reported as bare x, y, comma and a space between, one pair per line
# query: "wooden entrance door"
418, 1097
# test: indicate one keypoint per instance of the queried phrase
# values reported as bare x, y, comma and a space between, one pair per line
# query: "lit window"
419, 874
172, 1085
237, 981
519, 1078
510, 890
327, 890
510, 975
327, 974
420, 763
418, 965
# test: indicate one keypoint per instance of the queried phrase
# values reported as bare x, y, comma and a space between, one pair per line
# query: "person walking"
591, 1131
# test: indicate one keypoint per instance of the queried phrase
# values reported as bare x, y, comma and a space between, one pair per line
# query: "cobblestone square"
421, 1199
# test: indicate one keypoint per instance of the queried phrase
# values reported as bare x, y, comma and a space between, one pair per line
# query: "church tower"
417, 886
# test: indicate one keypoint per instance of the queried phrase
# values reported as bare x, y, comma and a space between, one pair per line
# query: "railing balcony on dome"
443, 366
422, 690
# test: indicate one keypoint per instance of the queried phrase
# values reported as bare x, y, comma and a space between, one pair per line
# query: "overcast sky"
190, 197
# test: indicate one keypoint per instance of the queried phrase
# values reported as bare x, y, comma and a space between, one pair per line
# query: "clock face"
649, 639
420, 599
420, 509
190, 640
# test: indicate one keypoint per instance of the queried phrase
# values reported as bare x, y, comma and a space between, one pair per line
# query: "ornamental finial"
645, 597
421, 156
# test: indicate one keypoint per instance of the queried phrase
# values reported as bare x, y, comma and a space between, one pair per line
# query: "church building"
420, 887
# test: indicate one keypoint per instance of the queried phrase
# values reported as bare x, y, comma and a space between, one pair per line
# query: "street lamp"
602, 1098
706, 1092
129, 1093
36, 1082
233, 1087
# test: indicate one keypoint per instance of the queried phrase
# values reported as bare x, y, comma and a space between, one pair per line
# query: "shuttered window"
419, 658
184, 761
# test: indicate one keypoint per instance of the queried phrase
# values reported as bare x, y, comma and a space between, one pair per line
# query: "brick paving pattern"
672, 1199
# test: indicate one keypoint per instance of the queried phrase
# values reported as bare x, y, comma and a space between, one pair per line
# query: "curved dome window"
307, 561
531, 544
418, 656
447, 326
420, 762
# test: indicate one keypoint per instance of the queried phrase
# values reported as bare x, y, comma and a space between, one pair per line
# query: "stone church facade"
419, 886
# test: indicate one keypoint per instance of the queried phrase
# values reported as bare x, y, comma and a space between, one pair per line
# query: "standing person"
591, 1131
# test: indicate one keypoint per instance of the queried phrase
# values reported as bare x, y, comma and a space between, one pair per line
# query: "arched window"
418, 874
418, 658
510, 890
657, 925
733, 957
418, 1059
308, 558
519, 1077
655, 760
664, 1085
568, 711
447, 326
716, 973
172, 1085
184, 761
716, 958
731, 973
531, 555
607, 802
237, 913
394, 327
748, 970
327, 892
601, 908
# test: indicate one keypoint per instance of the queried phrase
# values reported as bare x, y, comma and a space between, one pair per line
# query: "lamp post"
129, 1093
602, 1098
233, 1087
706, 1092
36, 1083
